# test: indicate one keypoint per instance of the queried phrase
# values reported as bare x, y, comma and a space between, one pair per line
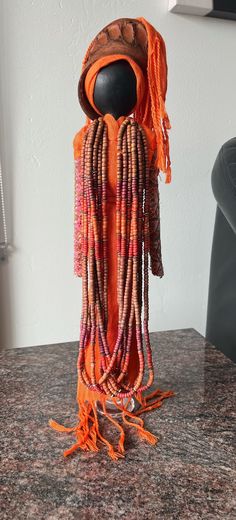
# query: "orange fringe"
88, 432
152, 110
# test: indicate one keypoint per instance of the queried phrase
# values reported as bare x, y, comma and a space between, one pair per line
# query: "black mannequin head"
115, 89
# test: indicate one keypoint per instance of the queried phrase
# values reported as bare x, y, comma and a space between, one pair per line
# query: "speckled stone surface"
189, 474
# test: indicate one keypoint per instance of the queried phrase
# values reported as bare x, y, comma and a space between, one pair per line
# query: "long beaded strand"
132, 230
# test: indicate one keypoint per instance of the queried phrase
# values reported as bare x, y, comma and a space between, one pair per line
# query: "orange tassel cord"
116, 171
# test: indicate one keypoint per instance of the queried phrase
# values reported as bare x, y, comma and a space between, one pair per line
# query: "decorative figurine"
118, 156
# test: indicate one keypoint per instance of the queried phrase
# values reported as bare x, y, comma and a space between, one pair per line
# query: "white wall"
42, 46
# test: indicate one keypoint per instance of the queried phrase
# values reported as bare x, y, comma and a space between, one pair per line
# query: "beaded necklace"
132, 229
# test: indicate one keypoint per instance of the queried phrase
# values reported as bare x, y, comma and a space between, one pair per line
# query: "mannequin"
117, 229
115, 89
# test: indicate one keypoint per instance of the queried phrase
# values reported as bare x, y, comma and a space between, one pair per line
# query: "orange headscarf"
91, 77
151, 92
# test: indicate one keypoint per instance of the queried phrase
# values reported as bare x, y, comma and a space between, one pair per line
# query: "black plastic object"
221, 312
115, 89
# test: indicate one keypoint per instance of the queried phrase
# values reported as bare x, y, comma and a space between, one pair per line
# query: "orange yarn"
152, 111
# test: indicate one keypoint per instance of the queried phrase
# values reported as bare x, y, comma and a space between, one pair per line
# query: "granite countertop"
189, 474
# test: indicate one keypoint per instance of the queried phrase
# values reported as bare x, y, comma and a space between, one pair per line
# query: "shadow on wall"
6, 308
7, 139
6, 325
6, 286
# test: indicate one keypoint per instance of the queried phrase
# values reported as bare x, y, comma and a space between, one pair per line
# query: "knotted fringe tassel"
88, 434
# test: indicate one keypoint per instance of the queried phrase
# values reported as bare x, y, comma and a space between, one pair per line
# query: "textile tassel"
113, 371
152, 111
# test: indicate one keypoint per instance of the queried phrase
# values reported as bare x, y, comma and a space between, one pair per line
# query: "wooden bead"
133, 242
